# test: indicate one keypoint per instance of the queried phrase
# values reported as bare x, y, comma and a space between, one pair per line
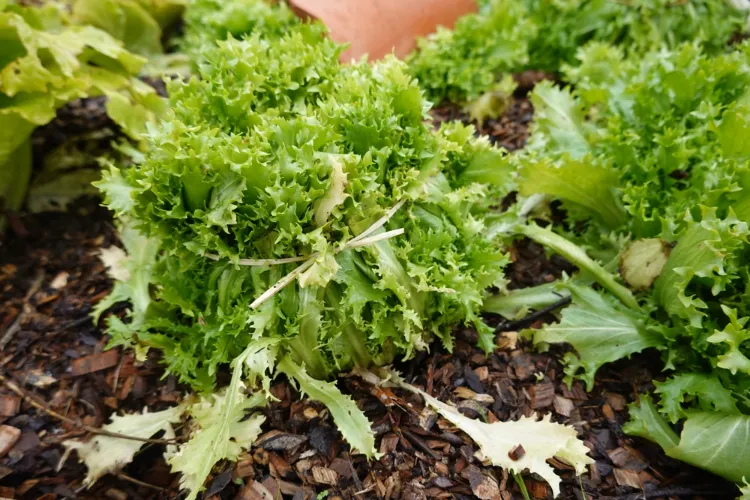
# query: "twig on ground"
514, 325
419, 443
26, 310
133, 480
41, 406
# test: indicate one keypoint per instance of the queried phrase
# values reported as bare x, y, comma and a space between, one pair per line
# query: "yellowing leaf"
540, 439
115, 260
643, 262
105, 454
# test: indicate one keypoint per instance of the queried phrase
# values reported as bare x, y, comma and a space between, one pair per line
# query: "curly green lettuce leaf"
461, 64
735, 337
558, 121
599, 330
706, 251
693, 390
209, 21
505, 37
647, 127
638, 27
132, 271
279, 154
117, 190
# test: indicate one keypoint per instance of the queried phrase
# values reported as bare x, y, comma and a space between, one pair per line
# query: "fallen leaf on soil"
103, 454
540, 439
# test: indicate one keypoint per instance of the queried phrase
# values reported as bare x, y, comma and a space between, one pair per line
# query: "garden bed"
51, 276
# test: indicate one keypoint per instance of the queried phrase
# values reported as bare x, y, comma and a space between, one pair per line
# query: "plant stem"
577, 256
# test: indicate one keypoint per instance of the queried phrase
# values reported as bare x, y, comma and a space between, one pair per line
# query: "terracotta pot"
379, 27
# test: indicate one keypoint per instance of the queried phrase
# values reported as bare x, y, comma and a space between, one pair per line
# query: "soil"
52, 354
509, 130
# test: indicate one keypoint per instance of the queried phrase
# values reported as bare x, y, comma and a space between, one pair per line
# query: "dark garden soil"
52, 358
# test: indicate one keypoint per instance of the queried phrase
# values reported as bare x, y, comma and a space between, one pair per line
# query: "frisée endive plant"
307, 221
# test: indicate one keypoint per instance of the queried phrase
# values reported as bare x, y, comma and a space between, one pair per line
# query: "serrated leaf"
118, 191
106, 454
132, 272
349, 419
223, 431
704, 250
558, 121
541, 440
733, 336
706, 389
336, 194
598, 330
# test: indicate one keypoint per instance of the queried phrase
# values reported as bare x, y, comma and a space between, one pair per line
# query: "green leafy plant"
46, 62
462, 63
139, 24
308, 221
209, 21
653, 179
507, 36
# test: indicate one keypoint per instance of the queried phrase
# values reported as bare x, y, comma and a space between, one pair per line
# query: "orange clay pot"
381, 27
